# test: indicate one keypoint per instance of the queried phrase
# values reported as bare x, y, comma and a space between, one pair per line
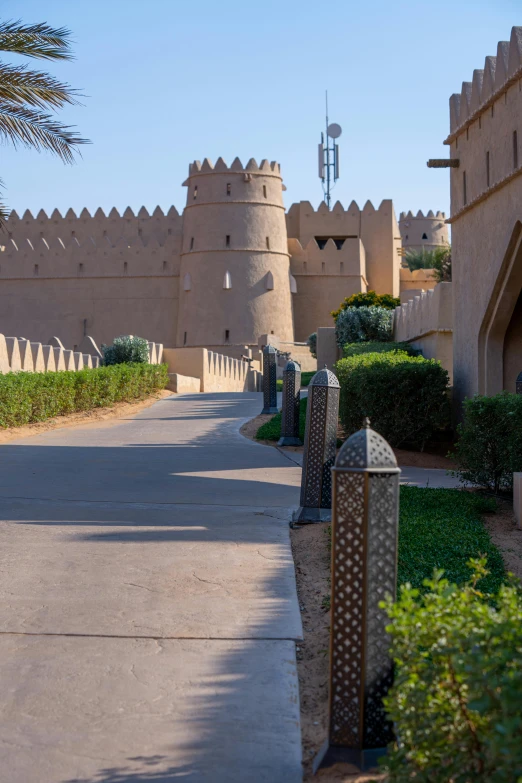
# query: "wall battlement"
207, 167
328, 259
420, 214
487, 84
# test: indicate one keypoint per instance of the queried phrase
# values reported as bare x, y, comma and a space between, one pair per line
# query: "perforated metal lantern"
364, 570
322, 413
518, 385
269, 380
291, 405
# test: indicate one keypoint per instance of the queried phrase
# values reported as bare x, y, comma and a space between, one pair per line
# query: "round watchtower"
235, 271
423, 231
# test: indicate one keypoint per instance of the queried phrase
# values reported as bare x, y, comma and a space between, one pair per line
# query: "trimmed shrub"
27, 397
364, 324
312, 344
405, 397
456, 699
125, 350
355, 349
489, 448
368, 299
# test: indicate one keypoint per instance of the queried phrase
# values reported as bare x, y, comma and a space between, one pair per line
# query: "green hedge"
29, 397
405, 397
489, 448
356, 349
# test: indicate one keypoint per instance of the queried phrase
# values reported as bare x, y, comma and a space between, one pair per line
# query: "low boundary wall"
216, 372
426, 321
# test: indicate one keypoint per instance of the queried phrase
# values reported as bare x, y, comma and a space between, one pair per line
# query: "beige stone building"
232, 268
486, 223
423, 232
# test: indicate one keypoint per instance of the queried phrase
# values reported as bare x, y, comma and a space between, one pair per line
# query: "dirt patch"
422, 459
506, 536
249, 428
119, 410
311, 551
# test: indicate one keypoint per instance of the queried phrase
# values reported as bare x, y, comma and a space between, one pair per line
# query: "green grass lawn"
443, 528
271, 430
306, 377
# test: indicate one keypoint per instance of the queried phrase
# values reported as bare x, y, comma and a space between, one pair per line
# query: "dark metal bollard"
269, 380
518, 385
291, 400
364, 570
322, 412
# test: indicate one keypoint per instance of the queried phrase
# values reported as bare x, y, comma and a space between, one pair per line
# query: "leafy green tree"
367, 299
438, 259
27, 97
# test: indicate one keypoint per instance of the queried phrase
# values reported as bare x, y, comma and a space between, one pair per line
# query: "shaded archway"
500, 338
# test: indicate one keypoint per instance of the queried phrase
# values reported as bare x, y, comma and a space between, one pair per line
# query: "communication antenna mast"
329, 157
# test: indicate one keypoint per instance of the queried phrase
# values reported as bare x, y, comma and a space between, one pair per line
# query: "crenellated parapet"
252, 167
344, 258
485, 128
100, 245
422, 231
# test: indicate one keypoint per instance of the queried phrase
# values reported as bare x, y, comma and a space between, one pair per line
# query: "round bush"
355, 349
126, 350
489, 448
312, 344
363, 324
405, 397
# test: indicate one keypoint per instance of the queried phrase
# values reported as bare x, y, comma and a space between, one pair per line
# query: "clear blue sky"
168, 81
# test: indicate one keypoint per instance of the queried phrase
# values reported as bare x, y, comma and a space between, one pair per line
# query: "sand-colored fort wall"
486, 193
419, 278
376, 228
324, 277
216, 372
426, 321
108, 274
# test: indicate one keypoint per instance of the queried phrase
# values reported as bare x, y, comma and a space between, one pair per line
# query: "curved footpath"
148, 611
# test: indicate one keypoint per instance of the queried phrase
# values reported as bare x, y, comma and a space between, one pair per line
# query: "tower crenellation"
423, 231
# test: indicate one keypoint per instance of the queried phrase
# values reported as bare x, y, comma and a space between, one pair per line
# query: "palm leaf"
34, 88
35, 40
21, 125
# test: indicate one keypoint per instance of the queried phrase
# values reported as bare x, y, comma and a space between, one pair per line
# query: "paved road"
148, 610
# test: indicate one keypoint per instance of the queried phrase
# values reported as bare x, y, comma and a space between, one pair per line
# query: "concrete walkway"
148, 612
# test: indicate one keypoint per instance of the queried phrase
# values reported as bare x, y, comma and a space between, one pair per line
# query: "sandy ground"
120, 410
310, 548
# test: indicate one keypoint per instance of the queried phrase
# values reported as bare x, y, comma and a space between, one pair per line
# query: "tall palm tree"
27, 96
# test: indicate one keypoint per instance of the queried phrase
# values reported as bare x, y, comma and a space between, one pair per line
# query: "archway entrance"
500, 338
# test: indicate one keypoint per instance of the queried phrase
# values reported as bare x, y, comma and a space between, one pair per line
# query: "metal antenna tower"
329, 157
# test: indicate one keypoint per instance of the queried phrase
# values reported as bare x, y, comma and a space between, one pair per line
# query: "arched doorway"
500, 338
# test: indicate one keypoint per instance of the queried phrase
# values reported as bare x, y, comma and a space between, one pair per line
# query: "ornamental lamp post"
269, 380
365, 514
322, 412
291, 405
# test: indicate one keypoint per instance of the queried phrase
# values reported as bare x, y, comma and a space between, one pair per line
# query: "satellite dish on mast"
334, 130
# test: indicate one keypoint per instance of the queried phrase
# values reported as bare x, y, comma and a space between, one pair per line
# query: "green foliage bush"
29, 397
364, 324
405, 397
489, 448
312, 344
355, 349
456, 699
125, 350
368, 299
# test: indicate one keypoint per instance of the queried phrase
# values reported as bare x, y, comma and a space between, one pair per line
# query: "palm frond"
4, 212
21, 125
34, 88
36, 40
